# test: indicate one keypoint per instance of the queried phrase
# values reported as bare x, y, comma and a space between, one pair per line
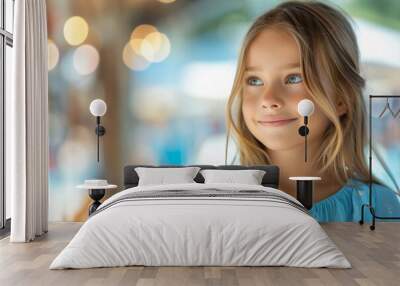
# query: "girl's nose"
272, 106
271, 100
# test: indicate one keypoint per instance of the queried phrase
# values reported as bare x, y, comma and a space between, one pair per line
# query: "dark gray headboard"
270, 179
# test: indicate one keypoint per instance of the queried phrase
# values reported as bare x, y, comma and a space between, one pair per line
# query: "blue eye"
254, 81
294, 78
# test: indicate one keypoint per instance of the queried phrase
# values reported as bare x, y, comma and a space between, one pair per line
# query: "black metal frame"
369, 205
6, 39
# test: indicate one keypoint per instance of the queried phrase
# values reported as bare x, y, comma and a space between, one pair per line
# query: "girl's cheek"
252, 90
296, 91
249, 104
248, 110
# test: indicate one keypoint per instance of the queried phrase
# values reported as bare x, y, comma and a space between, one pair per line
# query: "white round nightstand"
305, 190
96, 193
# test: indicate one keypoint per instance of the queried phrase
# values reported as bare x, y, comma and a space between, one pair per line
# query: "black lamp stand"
100, 131
303, 131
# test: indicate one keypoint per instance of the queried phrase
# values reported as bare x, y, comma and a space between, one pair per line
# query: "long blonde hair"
329, 61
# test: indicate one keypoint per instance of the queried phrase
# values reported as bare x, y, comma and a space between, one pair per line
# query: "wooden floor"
374, 255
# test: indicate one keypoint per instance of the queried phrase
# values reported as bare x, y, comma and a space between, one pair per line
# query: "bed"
201, 224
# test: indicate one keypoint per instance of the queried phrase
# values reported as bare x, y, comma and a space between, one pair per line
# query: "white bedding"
226, 231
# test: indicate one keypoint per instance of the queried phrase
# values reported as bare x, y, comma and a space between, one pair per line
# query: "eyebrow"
287, 66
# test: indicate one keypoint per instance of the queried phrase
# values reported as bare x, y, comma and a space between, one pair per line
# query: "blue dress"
345, 205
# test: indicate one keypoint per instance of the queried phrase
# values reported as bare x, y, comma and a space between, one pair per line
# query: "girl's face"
272, 88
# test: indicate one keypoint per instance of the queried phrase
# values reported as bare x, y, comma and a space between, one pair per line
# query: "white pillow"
249, 177
162, 176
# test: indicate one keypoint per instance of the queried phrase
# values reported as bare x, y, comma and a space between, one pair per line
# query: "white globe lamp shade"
305, 107
98, 107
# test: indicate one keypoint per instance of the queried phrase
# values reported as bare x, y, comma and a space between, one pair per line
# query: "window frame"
6, 39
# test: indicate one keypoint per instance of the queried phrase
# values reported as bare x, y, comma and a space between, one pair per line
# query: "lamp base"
305, 193
96, 195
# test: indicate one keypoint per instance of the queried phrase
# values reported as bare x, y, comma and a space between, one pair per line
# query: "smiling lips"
276, 122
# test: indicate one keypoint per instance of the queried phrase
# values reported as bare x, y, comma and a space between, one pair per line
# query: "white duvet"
200, 231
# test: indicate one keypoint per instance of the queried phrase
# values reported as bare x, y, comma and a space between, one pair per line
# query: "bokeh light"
146, 49
141, 31
136, 45
53, 55
147, 42
166, 1
86, 59
76, 30
134, 60
156, 47
138, 42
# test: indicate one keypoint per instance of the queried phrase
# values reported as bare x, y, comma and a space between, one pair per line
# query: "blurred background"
165, 69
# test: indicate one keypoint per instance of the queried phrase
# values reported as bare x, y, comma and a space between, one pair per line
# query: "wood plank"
374, 255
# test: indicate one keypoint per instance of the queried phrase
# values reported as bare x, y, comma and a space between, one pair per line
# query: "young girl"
306, 50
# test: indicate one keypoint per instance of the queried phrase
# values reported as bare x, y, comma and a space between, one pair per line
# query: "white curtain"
27, 123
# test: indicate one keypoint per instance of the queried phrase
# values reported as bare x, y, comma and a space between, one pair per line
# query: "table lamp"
98, 108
